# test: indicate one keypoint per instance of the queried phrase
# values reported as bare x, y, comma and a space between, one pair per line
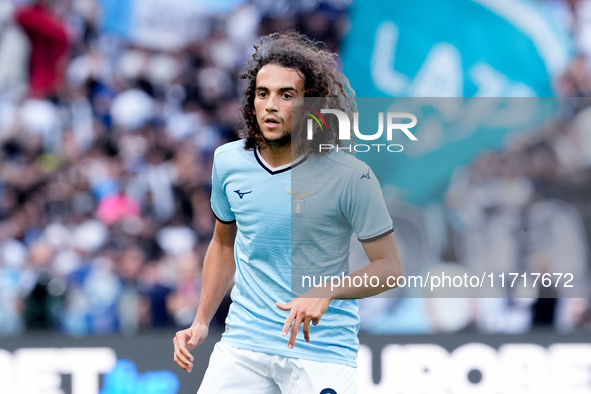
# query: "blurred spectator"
13, 255
49, 45
182, 304
131, 304
43, 303
14, 52
157, 290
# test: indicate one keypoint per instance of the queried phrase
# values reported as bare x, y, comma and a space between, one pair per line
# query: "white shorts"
240, 371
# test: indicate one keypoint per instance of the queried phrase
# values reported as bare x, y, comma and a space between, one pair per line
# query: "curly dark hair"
321, 79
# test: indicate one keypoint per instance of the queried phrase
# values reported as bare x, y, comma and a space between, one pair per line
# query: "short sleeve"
364, 207
219, 201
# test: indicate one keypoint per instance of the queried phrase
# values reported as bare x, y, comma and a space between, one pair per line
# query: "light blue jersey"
293, 221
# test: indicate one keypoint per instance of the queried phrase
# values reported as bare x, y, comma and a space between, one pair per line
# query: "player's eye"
262, 94
286, 96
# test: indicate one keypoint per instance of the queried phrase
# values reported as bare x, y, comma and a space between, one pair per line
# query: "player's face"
275, 87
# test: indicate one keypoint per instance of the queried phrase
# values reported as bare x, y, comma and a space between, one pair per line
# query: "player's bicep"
384, 248
219, 259
225, 233
219, 200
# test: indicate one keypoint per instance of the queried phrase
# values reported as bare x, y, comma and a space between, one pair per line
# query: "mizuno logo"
241, 194
365, 175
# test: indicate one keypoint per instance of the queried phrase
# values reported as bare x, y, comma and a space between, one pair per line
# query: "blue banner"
451, 48
158, 24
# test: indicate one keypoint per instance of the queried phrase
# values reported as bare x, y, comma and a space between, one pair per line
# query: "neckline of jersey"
280, 169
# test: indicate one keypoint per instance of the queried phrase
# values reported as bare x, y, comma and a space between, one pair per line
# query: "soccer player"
273, 343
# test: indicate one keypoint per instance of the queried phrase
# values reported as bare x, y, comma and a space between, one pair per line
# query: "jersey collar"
280, 169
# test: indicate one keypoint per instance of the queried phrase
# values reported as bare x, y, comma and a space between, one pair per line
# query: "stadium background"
110, 112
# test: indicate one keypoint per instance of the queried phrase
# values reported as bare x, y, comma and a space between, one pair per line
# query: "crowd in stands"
105, 163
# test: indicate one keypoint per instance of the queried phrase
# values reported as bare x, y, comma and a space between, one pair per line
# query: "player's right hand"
185, 341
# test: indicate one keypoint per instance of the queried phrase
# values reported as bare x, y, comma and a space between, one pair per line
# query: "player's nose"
272, 103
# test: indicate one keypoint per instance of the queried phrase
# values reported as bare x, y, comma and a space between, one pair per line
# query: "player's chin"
273, 134
277, 137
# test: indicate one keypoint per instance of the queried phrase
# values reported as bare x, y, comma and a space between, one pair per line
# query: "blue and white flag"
451, 48
158, 24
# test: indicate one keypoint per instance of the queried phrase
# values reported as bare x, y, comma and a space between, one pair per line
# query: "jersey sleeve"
219, 200
364, 206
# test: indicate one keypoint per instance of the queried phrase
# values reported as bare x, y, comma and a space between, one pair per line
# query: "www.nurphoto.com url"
441, 280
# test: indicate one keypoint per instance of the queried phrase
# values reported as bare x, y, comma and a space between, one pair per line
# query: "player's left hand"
302, 310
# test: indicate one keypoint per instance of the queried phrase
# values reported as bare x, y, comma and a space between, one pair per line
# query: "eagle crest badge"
298, 202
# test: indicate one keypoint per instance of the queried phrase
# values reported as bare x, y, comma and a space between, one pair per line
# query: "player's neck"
276, 156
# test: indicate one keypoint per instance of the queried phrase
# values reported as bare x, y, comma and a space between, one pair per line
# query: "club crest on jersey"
298, 202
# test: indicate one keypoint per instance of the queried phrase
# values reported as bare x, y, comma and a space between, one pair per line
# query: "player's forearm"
384, 270
218, 273
377, 277
311, 306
